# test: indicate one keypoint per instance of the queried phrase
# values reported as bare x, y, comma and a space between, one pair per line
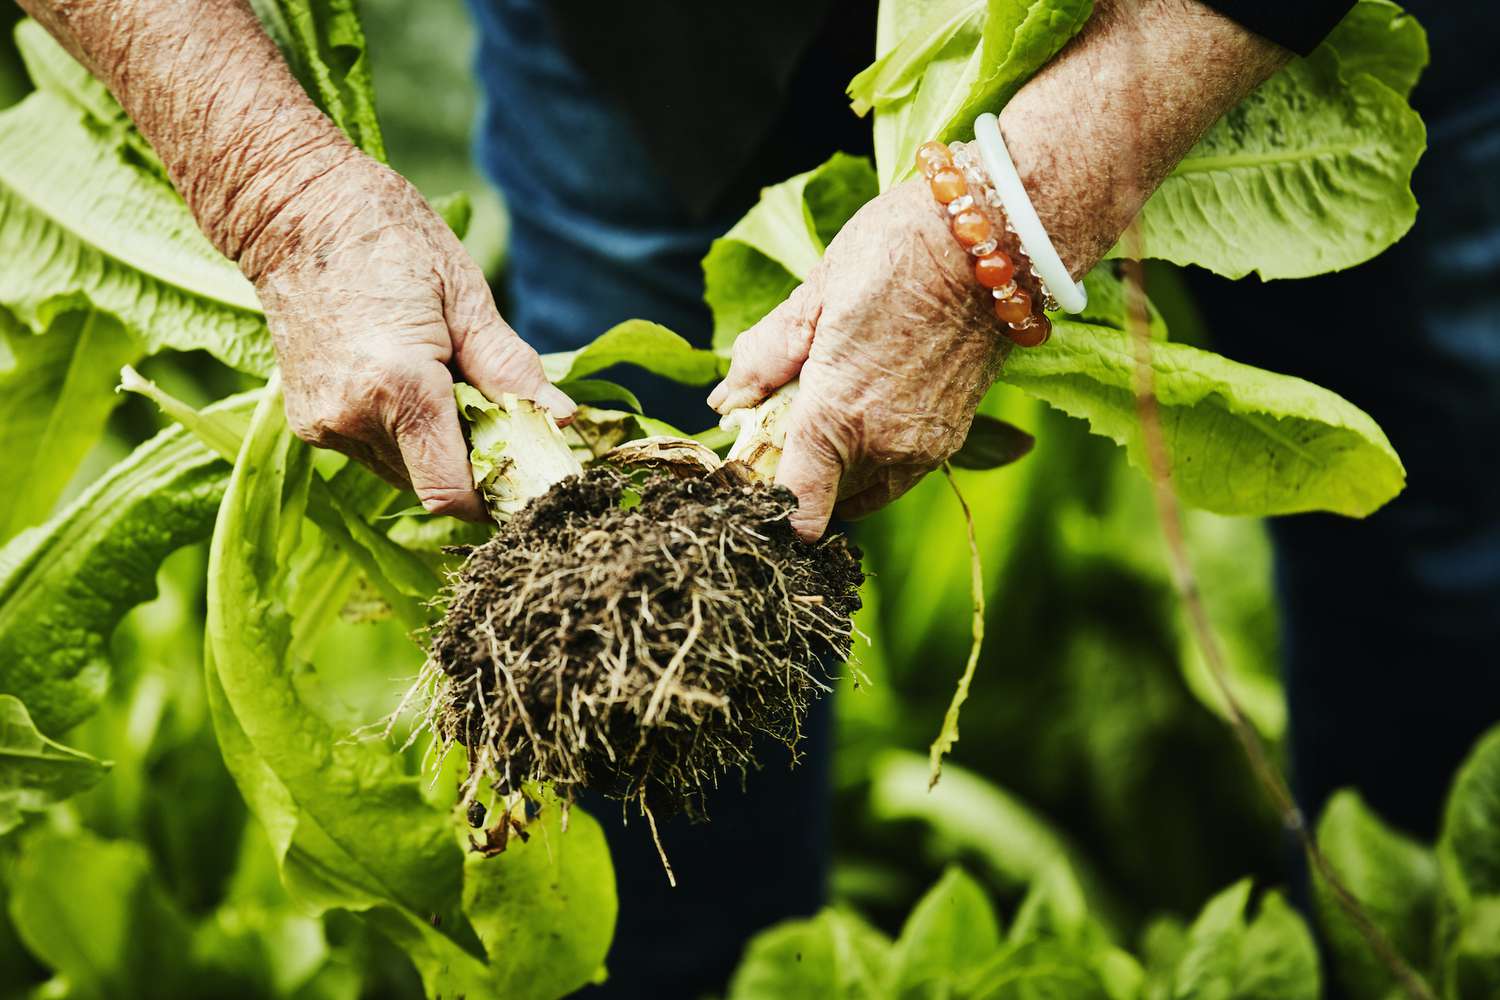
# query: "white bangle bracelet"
1022, 217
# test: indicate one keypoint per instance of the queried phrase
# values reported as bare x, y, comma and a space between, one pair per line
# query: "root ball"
638, 635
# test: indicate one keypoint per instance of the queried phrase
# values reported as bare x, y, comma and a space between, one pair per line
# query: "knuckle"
507, 358
446, 500
406, 396
326, 424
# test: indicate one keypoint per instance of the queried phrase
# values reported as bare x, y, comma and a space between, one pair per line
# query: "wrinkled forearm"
209, 90
1098, 129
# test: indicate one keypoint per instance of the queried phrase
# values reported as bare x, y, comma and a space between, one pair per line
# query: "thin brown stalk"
949, 734
1186, 582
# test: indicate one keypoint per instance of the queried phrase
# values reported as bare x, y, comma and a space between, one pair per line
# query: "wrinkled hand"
895, 347
370, 297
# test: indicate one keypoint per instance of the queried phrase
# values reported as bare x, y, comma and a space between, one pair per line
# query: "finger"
433, 451
811, 466
491, 356
771, 353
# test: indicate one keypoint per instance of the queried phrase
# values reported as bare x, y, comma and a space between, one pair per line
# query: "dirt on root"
639, 635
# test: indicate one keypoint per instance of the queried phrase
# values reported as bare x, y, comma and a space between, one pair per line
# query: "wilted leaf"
991, 443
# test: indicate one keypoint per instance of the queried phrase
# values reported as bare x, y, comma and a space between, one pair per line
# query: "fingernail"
557, 403
717, 396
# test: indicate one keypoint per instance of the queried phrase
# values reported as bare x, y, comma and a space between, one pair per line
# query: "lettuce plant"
103, 265
1436, 904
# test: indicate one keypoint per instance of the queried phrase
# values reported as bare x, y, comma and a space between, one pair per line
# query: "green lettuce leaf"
342, 507
109, 235
325, 45
1230, 958
1469, 850
1056, 910
941, 63
1379, 38
1239, 440
1393, 877
350, 828
594, 391
832, 956
66, 584
1472, 961
55, 398
951, 931
1036, 970
36, 772
1311, 172
52, 69
964, 810
92, 910
545, 909
641, 343
384, 844
750, 269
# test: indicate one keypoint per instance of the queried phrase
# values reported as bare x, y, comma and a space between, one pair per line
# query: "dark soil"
638, 636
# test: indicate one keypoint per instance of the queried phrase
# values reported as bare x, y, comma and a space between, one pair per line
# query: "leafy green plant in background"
1437, 905
117, 272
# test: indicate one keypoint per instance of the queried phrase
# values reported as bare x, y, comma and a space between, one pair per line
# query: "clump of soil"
638, 635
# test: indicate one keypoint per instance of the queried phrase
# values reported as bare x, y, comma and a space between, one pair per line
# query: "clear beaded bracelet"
995, 268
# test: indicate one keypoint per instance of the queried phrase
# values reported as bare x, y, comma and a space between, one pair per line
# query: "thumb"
771, 353
811, 467
493, 358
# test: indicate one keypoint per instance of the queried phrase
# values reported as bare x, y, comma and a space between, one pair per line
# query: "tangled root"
636, 636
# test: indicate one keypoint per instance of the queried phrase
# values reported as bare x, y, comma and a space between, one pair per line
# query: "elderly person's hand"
895, 344
370, 298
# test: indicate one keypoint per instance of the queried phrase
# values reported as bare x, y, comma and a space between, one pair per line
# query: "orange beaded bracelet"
994, 268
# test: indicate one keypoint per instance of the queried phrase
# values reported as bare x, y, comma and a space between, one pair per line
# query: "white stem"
761, 432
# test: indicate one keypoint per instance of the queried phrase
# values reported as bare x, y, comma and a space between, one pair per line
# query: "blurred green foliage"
1086, 706
420, 55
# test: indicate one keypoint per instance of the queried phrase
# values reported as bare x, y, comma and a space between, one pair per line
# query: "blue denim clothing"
598, 237
596, 233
